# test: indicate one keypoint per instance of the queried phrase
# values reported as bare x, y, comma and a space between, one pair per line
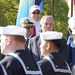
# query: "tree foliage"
9, 11
60, 14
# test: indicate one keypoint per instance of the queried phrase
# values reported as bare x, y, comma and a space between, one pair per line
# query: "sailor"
18, 60
2, 70
52, 63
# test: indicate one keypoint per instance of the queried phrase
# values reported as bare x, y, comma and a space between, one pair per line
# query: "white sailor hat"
27, 22
34, 7
71, 23
73, 31
12, 30
51, 35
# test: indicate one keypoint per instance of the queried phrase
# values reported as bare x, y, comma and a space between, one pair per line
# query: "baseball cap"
34, 7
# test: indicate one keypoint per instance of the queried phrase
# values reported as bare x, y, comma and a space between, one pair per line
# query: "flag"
24, 8
40, 3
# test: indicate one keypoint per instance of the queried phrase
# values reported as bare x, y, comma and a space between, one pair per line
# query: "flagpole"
53, 8
71, 8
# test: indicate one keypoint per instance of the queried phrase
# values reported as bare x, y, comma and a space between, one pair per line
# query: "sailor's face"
3, 44
43, 47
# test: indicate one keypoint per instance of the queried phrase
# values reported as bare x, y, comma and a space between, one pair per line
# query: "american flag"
40, 3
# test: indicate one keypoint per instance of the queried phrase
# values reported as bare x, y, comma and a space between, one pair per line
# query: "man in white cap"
71, 44
18, 60
35, 13
52, 63
28, 23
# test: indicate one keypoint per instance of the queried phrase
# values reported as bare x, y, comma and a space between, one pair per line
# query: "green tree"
60, 14
8, 12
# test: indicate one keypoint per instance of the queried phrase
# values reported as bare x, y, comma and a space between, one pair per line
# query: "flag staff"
71, 8
53, 8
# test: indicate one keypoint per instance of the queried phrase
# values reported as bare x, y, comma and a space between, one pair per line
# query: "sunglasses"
29, 27
36, 13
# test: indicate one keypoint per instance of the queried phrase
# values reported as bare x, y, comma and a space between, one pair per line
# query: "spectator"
46, 24
71, 44
52, 63
18, 60
35, 14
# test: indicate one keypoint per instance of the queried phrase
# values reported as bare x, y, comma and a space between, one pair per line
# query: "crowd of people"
35, 48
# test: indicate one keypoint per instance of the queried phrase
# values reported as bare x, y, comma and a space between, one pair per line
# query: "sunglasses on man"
36, 13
